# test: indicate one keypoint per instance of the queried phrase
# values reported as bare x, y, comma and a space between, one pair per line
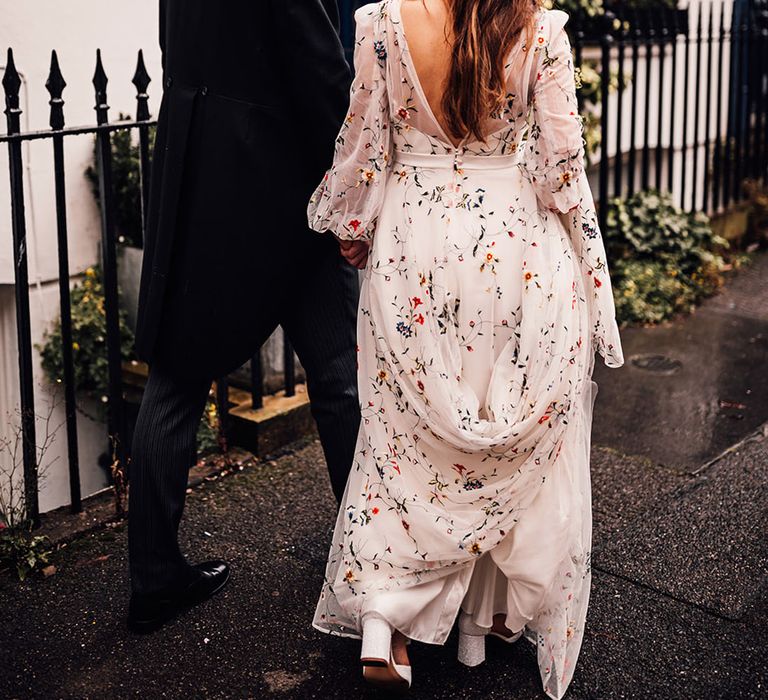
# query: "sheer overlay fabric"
484, 300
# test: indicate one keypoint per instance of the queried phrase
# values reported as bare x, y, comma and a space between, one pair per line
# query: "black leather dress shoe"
147, 613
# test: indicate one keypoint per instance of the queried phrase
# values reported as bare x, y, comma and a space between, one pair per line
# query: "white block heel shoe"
471, 641
377, 642
379, 667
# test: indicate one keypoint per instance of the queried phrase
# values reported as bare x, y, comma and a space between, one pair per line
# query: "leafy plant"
89, 339
588, 83
664, 260
126, 183
589, 14
23, 551
20, 550
581, 11
208, 430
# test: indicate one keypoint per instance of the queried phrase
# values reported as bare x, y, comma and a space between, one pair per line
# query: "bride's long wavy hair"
483, 34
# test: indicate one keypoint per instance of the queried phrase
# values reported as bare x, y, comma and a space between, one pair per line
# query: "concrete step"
281, 421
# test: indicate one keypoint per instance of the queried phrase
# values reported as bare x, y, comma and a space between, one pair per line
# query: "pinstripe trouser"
320, 323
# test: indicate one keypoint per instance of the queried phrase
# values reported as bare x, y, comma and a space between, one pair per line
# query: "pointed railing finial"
11, 80
141, 80
100, 81
55, 86
699, 16
12, 85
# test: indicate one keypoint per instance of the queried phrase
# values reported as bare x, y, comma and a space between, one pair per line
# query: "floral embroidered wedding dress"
484, 300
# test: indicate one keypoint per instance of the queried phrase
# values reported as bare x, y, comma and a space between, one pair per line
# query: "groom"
254, 95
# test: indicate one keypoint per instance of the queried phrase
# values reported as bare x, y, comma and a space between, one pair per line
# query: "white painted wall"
75, 28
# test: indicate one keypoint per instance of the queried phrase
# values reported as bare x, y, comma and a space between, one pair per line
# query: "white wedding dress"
484, 300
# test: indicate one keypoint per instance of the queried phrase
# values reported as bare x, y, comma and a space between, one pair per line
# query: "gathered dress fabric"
484, 300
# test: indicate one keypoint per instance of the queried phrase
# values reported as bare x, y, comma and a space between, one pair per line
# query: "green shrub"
663, 260
208, 430
89, 339
23, 552
89, 344
126, 183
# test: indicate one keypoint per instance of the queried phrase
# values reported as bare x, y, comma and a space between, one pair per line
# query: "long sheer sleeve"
555, 165
554, 157
348, 200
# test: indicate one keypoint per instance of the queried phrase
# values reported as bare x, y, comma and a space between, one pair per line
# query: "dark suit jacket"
254, 94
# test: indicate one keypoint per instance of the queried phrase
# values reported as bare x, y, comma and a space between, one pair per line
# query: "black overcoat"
254, 94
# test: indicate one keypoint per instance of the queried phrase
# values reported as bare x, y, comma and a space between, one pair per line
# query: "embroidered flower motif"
404, 329
380, 49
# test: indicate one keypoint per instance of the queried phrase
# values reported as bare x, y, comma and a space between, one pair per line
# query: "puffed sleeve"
348, 200
555, 163
554, 157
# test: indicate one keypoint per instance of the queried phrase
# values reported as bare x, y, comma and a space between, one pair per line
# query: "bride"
458, 184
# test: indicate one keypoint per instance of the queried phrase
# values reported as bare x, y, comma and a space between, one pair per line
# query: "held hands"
355, 252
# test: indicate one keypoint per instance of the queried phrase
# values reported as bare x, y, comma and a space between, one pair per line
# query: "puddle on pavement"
687, 392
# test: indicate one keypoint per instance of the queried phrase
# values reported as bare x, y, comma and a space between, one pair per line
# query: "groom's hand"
355, 252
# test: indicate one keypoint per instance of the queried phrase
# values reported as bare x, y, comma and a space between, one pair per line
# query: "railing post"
632, 165
618, 168
141, 80
605, 84
55, 86
661, 35
684, 114
708, 114
650, 41
717, 165
222, 404
696, 109
257, 381
12, 85
672, 96
762, 124
289, 367
115, 413
742, 106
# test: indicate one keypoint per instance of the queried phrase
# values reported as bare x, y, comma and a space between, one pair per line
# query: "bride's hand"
355, 252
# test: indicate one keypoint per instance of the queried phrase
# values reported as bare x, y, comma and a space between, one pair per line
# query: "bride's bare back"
426, 24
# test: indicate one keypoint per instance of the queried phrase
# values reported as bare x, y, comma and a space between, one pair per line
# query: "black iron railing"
702, 141
699, 143
102, 131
